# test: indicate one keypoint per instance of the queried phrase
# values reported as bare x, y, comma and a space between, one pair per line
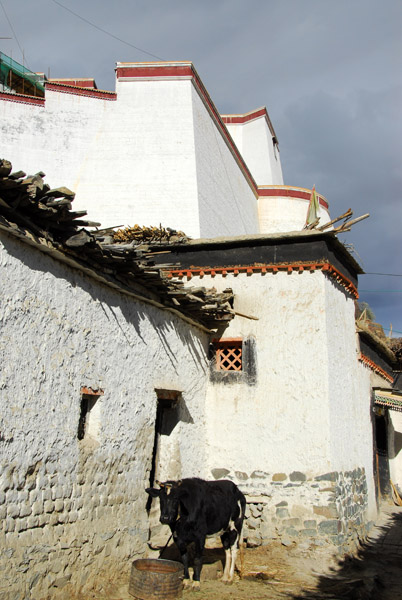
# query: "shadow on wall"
397, 444
395, 448
374, 573
111, 302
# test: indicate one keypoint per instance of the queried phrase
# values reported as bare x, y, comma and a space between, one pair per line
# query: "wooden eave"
41, 217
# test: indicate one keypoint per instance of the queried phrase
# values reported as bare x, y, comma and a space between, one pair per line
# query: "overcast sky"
329, 72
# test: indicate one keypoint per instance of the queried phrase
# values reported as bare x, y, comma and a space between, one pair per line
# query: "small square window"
233, 360
228, 355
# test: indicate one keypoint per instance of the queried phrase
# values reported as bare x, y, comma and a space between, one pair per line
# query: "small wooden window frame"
229, 354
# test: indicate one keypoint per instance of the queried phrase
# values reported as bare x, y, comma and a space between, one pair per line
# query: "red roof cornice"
250, 116
80, 91
299, 267
22, 99
61, 88
374, 367
290, 192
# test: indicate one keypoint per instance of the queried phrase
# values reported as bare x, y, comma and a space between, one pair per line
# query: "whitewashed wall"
72, 510
254, 140
56, 138
227, 204
300, 438
154, 172
349, 386
151, 156
289, 398
280, 214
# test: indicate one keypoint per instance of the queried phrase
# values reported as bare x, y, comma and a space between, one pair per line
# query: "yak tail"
241, 545
241, 536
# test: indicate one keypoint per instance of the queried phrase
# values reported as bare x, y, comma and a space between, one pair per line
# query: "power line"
12, 29
385, 274
393, 330
104, 30
381, 291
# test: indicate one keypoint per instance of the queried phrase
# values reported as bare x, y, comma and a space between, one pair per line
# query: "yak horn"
164, 485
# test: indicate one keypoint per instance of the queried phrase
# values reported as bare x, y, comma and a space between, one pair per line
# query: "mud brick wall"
325, 509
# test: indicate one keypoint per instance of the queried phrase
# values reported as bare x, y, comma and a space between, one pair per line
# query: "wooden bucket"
156, 579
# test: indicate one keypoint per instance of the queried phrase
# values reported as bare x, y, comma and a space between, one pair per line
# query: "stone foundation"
325, 509
60, 535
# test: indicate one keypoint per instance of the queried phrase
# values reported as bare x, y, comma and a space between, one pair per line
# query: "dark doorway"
167, 417
166, 458
381, 458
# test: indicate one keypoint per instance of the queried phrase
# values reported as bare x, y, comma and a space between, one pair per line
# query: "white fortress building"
154, 151
234, 356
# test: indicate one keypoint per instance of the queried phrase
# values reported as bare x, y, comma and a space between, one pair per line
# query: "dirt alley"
277, 572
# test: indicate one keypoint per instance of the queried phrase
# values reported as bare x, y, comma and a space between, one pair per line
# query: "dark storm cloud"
328, 72
350, 148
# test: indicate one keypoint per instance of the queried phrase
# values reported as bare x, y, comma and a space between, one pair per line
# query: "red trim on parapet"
260, 112
161, 71
250, 116
80, 82
22, 99
327, 268
80, 91
374, 367
286, 191
154, 70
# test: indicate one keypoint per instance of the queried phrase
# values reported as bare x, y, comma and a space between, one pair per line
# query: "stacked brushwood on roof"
396, 346
42, 216
149, 235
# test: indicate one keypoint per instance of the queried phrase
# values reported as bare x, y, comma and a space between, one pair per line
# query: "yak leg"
199, 549
236, 541
233, 556
225, 539
184, 558
229, 542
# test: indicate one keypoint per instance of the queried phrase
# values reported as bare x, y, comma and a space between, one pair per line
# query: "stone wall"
297, 508
63, 530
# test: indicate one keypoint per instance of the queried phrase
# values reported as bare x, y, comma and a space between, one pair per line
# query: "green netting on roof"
17, 78
392, 401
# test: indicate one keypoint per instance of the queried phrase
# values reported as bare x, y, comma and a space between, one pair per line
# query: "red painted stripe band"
22, 99
249, 270
155, 71
291, 193
80, 91
374, 367
85, 83
244, 118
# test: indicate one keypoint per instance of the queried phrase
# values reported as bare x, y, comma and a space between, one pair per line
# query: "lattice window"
228, 355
